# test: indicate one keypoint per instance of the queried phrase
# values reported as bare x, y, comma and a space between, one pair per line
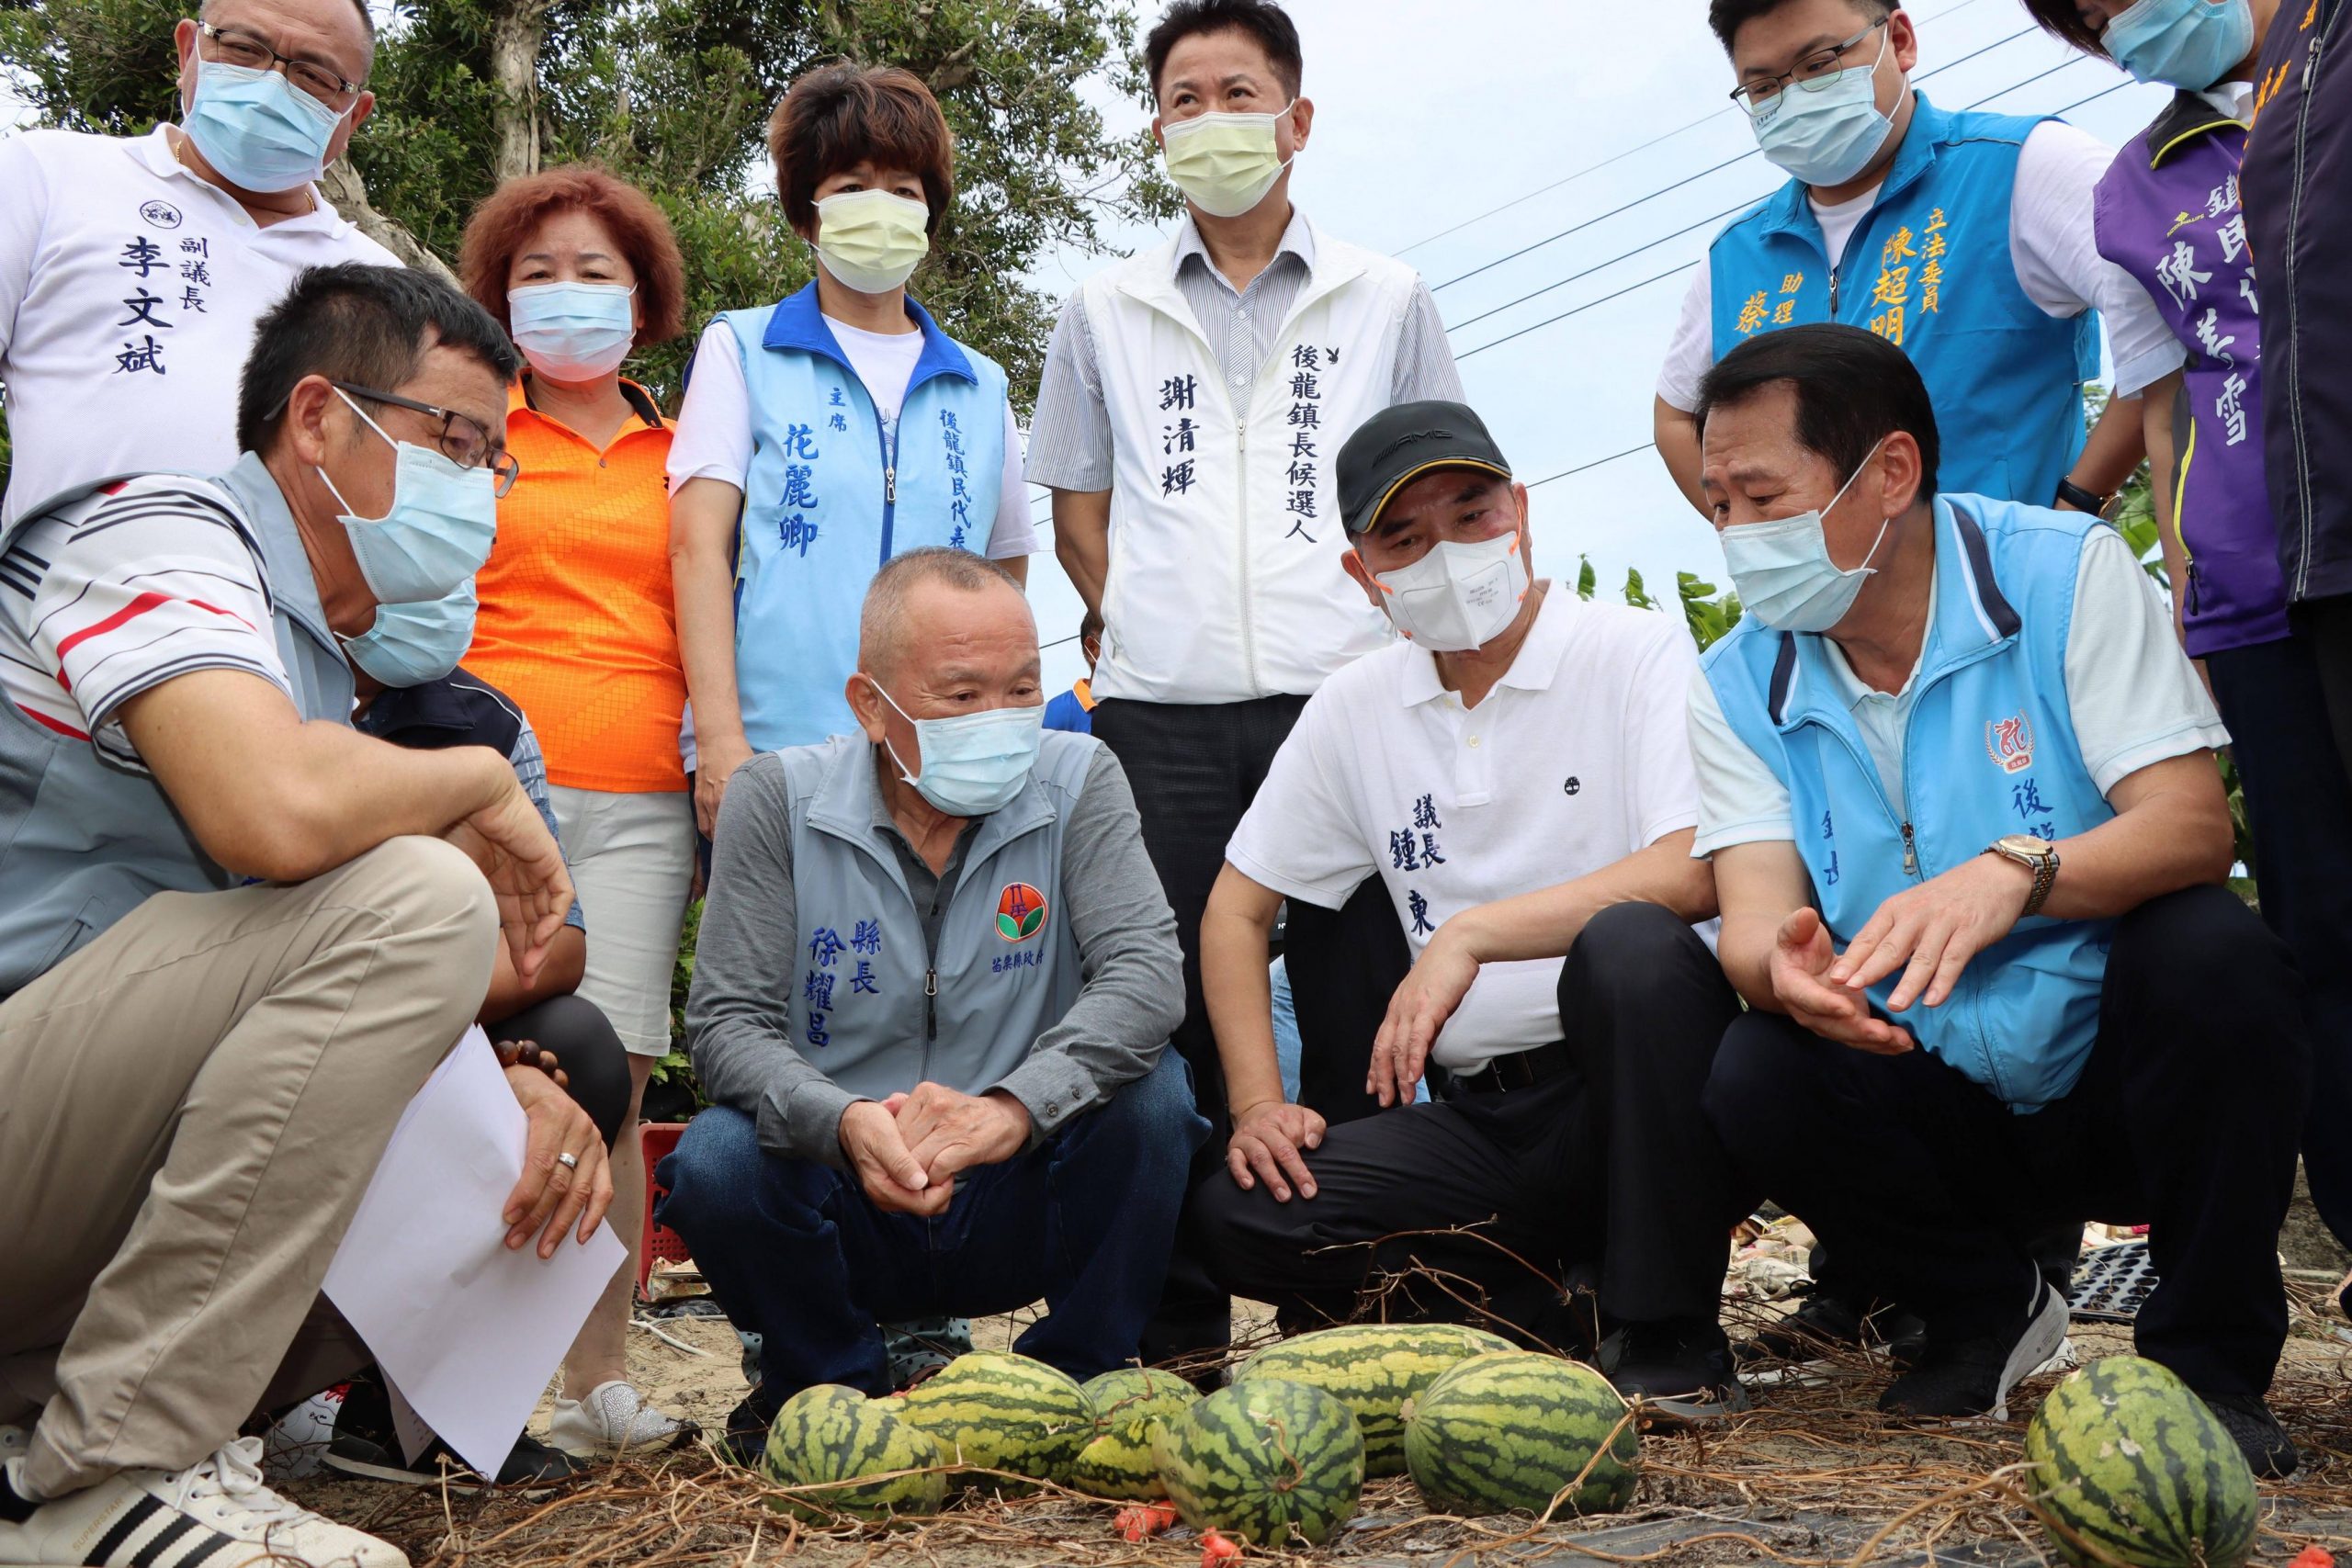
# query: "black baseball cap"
1400, 444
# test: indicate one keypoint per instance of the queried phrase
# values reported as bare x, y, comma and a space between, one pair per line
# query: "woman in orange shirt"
577, 625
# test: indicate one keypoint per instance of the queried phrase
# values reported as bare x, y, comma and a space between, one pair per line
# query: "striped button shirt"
1070, 439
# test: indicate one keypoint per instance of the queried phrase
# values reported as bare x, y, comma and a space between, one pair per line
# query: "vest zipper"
2294, 318
1241, 467
1910, 852
931, 1000
888, 441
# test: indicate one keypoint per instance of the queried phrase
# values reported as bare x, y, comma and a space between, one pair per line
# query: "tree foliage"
675, 94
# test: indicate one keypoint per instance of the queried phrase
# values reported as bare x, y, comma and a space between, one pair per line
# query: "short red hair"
512, 214
837, 116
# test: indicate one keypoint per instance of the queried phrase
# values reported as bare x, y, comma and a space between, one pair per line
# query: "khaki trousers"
190, 1108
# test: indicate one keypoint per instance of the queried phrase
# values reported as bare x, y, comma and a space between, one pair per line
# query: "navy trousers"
796, 1252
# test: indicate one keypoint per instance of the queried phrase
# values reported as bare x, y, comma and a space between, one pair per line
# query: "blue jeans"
796, 1252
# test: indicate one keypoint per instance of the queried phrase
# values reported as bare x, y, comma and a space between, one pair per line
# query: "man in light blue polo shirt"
1958, 782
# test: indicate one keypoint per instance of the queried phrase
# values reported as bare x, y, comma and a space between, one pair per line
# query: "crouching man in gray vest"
933, 995
235, 935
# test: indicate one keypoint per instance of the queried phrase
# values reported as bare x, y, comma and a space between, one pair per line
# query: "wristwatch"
2039, 856
2081, 500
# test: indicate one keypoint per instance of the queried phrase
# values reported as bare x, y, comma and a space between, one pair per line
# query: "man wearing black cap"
1516, 772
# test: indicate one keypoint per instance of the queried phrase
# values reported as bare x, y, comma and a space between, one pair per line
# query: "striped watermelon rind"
1267, 1461
1129, 1407
1373, 1369
830, 1434
993, 1411
1508, 1432
2128, 1458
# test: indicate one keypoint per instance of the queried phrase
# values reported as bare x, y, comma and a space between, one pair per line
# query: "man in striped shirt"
238, 935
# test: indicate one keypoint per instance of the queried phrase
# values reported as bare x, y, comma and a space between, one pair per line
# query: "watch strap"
2081, 500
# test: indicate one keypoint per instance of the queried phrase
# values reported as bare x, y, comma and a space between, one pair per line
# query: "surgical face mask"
871, 240
975, 762
1826, 131
437, 531
573, 331
1458, 596
2184, 43
411, 644
1782, 571
1225, 163
260, 131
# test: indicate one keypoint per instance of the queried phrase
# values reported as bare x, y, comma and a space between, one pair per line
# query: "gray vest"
870, 1007
82, 841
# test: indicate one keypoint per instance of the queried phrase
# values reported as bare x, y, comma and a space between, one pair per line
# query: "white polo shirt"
128, 292
1577, 758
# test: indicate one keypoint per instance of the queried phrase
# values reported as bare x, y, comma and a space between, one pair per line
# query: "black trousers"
2299, 805
1195, 769
586, 1048
2185, 1119
1609, 1164
2324, 625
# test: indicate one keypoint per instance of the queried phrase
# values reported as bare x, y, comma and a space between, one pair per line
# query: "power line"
1668, 136
1718, 168
1596, 462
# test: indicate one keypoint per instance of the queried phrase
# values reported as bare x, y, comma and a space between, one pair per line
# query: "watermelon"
1002, 1412
1129, 1405
2133, 1463
1263, 1461
1373, 1368
1508, 1432
829, 1433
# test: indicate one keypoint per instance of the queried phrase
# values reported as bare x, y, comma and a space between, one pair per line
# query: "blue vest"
1989, 750
82, 841
1928, 269
830, 495
872, 1007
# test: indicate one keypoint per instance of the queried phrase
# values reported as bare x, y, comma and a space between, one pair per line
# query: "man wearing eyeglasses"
237, 935
133, 269
1965, 238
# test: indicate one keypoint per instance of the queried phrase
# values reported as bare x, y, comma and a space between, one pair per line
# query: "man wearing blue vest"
238, 935
1964, 239
1957, 779
931, 1003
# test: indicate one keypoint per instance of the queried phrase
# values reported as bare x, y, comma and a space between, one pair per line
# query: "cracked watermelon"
1269, 1462
829, 1433
1507, 1433
1373, 1368
2133, 1463
1129, 1407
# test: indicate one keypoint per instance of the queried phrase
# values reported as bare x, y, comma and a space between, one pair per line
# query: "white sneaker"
216, 1515
614, 1419
295, 1446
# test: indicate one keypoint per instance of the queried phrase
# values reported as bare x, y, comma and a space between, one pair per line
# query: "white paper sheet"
467, 1330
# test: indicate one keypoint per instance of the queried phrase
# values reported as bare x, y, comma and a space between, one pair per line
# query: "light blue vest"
830, 495
1928, 268
82, 843
1989, 750
871, 1008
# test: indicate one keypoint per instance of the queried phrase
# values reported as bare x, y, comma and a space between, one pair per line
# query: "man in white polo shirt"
133, 269
1516, 775
1194, 399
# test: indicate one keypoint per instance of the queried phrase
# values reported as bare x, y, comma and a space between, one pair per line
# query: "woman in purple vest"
2168, 213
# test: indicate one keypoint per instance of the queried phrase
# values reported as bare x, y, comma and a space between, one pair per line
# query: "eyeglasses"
462, 439
234, 46
1814, 74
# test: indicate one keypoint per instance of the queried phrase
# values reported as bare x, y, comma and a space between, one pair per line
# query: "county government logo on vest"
1020, 912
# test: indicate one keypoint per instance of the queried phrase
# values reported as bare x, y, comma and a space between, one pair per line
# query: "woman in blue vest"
2168, 213
828, 431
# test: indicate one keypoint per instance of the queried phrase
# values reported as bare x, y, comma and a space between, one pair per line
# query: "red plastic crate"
656, 1139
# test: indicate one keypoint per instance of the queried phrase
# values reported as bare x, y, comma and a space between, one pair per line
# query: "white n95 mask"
1458, 596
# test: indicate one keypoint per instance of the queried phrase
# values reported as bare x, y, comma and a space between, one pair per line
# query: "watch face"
2025, 844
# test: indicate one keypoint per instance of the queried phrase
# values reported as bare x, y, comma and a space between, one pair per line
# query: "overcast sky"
1429, 115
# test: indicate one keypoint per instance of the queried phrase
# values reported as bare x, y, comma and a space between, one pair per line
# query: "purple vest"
2168, 213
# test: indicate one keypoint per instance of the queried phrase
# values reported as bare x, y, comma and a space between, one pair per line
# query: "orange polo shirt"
577, 624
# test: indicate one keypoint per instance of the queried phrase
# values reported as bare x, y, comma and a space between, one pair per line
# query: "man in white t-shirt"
133, 269
1513, 774
1957, 780
1965, 238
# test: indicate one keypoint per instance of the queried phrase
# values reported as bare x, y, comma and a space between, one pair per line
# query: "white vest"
1224, 581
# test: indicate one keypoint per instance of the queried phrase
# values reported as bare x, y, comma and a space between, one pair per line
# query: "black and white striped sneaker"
217, 1513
